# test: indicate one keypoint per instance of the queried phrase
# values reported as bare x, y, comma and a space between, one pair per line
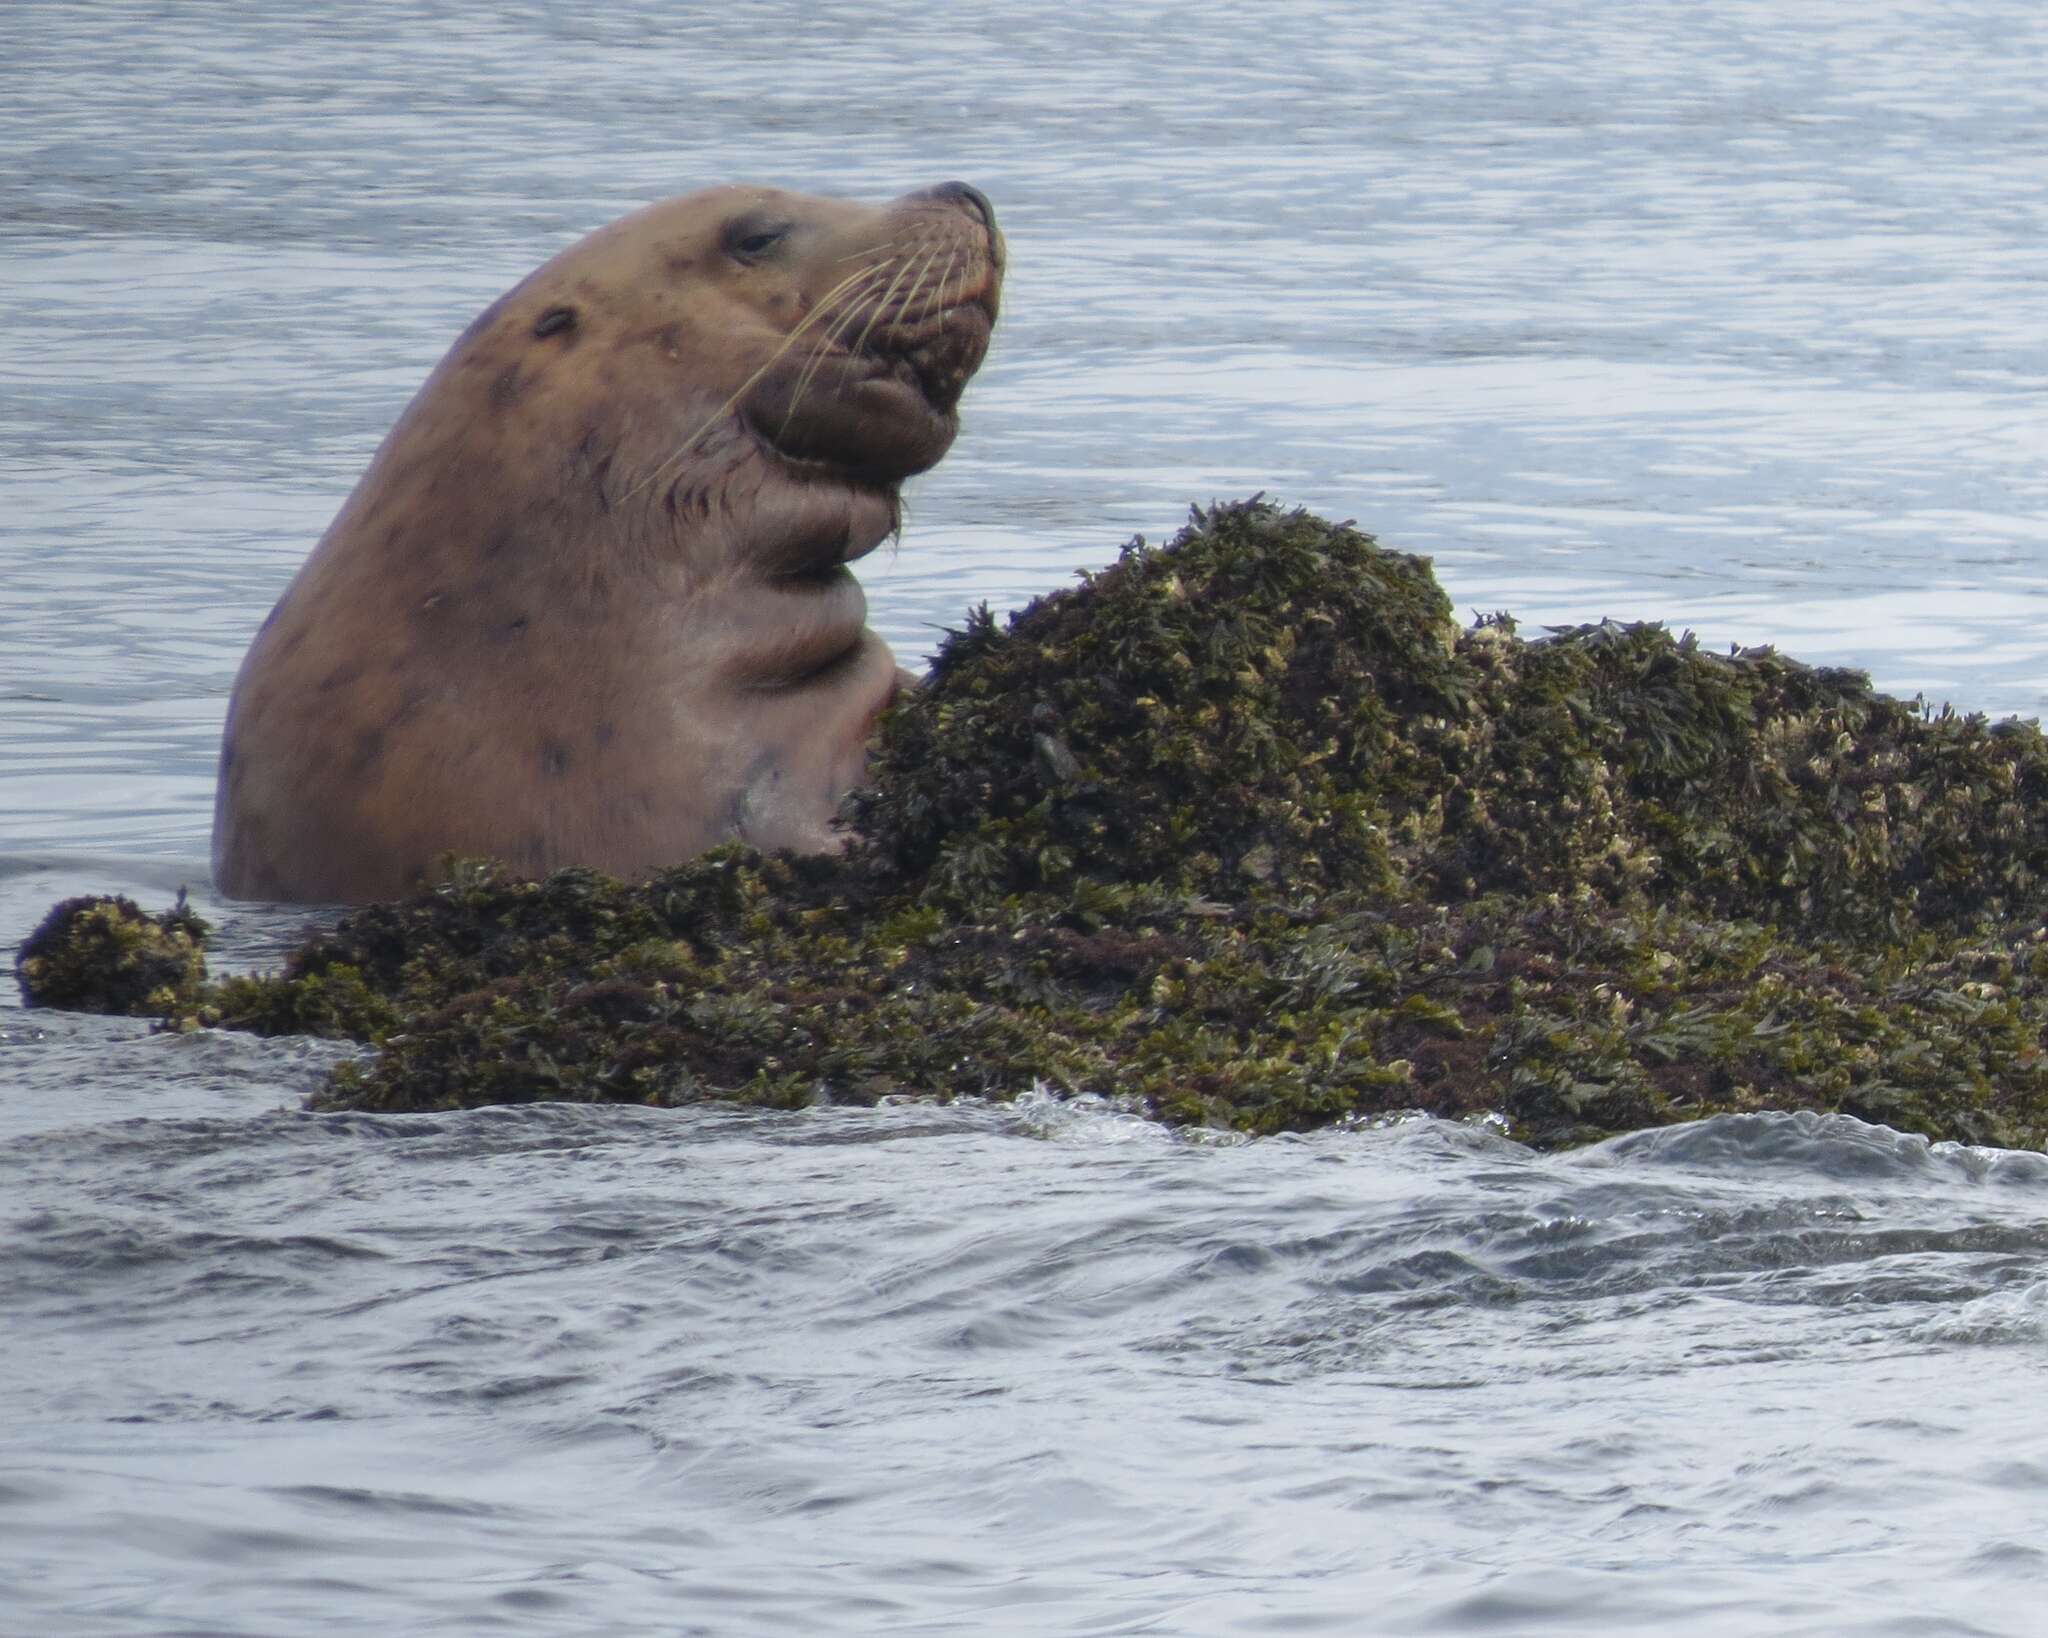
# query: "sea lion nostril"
970, 196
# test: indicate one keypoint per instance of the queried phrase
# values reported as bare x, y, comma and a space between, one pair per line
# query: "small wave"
1836, 1147
2001, 1317
1090, 1119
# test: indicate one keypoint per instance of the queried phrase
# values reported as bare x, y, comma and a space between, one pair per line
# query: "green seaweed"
1248, 830
108, 955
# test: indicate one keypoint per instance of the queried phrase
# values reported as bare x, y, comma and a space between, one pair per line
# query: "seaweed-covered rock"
108, 955
1247, 829
1230, 714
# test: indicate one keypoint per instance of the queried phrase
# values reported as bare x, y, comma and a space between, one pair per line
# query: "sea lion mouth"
820, 579
940, 357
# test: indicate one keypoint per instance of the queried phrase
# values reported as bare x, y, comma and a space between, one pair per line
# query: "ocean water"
1038, 1369
1735, 317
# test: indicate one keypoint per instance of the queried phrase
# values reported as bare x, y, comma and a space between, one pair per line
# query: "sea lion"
589, 605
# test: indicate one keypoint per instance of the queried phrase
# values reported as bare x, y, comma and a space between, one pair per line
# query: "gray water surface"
1729, 316
1035, 1370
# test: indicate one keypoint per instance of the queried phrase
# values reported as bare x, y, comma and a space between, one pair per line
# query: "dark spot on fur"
507, 630
605, 734
369, 747
554, 320
554, 758
340, 676
501, 542
506, 389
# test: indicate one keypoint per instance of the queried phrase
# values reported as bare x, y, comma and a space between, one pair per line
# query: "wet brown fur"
588, 605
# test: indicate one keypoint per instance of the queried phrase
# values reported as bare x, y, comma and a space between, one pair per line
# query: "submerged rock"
1249, 829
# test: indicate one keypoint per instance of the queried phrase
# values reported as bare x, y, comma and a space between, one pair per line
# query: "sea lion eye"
555, 318
750, 240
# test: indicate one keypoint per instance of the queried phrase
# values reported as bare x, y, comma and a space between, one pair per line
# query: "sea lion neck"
784, 522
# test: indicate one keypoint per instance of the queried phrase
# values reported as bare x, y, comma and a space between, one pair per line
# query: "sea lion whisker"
916, 293
830, 339
834, 311
818, 314
849, 311
933, 292
939, 299
886, 248
847, 292
882, 301
946, 297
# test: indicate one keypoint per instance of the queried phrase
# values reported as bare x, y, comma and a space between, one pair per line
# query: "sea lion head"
837, 333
